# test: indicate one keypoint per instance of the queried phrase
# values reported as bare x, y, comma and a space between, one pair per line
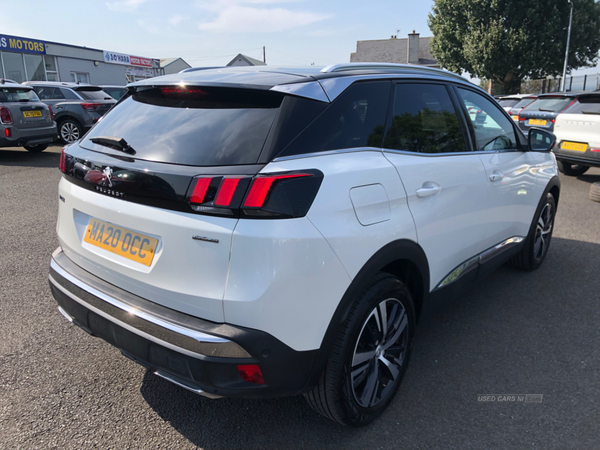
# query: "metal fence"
578, 83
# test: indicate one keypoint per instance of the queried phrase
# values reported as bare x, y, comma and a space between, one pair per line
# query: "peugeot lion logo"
107, 177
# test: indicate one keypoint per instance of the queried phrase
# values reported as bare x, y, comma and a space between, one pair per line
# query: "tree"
509, 40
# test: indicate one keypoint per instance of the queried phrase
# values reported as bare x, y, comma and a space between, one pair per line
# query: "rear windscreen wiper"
590, 112
546, 110
114, 143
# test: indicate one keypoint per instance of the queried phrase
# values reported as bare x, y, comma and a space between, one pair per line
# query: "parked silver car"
24, 119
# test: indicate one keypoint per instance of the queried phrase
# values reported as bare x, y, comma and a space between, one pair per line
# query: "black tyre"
595, 191
538, 240
370, 355
36, 148
70, 131
571, 170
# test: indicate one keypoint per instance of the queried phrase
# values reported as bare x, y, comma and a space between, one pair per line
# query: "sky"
212, 32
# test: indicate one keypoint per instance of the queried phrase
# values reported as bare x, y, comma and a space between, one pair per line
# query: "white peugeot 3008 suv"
254, 232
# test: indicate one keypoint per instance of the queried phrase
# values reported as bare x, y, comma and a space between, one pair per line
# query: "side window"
355, 119
58, 95
44, 93
424, 120
69, 95
493, 130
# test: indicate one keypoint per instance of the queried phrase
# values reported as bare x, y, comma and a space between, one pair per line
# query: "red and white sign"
137, 61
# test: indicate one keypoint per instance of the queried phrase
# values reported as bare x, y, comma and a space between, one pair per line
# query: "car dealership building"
25, 59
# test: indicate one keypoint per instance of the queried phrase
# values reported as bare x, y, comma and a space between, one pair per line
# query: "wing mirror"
540, 140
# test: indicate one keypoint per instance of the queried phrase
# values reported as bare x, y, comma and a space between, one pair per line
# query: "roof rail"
385, 66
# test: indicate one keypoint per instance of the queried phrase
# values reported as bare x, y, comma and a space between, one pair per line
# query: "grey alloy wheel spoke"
361, 357
393, 366
383, 317
359, 374
401, 327
370, 391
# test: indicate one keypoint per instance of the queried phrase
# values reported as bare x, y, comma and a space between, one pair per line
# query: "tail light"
5, 115
91, 106
61, 164
595, 150
272, 196
51, 112
522, 119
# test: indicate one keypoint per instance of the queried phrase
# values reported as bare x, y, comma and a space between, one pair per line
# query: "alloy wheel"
380, 353
69, 132
543, 232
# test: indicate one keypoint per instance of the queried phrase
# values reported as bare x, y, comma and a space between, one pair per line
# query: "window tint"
585, 105
94, 95
202, 126
17, 95
549, 104
493, 130
68, 94
424, 120
59, 94
355, 119
44, 93
523, 103
509, 102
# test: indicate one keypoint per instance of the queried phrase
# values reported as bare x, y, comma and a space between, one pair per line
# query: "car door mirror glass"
540, 140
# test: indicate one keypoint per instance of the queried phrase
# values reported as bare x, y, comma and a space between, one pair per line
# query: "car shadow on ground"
589, 177
47, 158
502, 336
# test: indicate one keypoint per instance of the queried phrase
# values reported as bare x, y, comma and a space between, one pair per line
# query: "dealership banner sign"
127, 60
21, 45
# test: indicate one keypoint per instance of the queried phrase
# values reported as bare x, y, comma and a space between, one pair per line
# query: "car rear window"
96, 94
17, 95
585, 105
523, 102
509, 102
197, 126
549, 104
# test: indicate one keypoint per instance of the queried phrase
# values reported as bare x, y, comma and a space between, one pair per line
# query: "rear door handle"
496, 176
429, 188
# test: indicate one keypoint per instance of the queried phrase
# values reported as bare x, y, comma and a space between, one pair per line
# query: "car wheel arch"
402, 258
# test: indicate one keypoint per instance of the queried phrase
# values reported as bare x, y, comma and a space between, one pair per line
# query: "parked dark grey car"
24, 119
76, 106
542, 112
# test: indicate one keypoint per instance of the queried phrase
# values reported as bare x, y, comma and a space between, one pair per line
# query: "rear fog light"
251, 373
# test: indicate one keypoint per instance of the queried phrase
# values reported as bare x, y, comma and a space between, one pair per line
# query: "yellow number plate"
515, 117
32, 113
121, 241
576, 146
537, 122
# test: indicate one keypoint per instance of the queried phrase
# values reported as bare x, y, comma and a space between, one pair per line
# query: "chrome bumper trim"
168, 377
215, 346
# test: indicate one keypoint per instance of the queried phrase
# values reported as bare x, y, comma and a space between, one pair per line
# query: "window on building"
424, 120
14, 68
51, 70
35, 68
80, 77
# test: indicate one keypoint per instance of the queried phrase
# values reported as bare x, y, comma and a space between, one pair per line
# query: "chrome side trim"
496, 250
200, 337
482, 258
327, 153
65, 314
168, 377
311, 89
433, 155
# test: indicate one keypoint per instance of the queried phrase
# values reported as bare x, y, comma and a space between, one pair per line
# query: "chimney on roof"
413, 48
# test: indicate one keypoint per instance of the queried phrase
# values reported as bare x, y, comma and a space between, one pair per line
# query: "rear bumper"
28, 136
588, 158
196, 354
